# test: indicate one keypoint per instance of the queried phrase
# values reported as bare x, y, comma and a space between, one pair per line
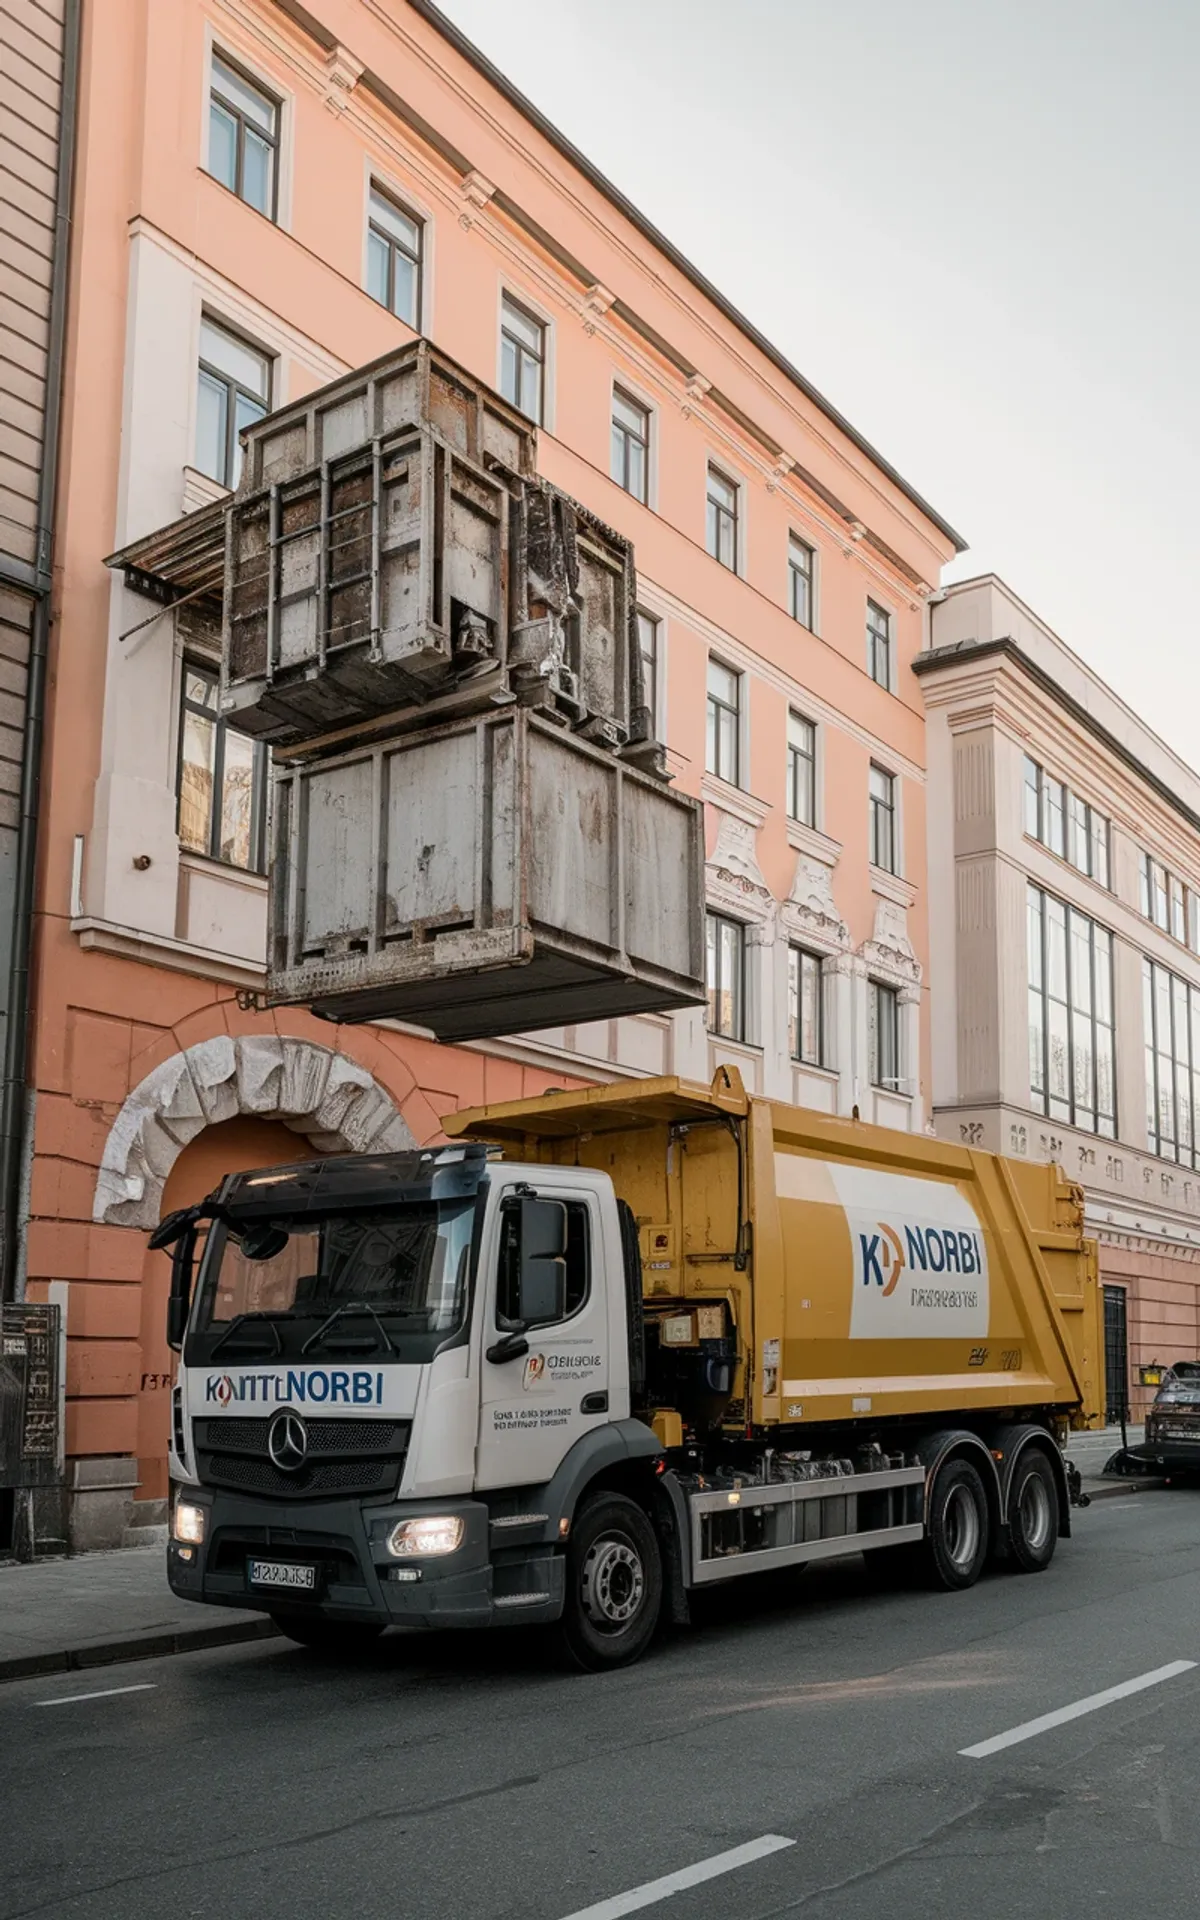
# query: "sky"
975, 226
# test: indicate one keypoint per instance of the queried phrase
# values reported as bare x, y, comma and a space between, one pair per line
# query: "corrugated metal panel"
31, 52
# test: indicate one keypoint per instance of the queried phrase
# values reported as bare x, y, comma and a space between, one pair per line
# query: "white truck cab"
400, 1376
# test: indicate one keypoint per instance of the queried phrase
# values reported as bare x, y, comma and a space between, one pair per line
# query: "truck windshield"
407, 1268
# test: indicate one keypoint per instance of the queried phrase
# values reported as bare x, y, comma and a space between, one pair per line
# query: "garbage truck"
610, 1347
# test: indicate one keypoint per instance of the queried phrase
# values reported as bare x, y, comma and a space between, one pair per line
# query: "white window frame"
272, 84
727, 472
222, 322
893, 618
895, 872
659, 705
636, 393
408, 201
742, 728
507, 289
814, 589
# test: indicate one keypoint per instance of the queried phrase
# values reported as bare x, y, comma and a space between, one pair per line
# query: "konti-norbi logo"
924, 1250
918, 1257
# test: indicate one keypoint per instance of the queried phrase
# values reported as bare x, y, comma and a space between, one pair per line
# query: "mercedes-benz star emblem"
287, 1442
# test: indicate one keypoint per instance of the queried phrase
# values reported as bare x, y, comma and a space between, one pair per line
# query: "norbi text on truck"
613, 1346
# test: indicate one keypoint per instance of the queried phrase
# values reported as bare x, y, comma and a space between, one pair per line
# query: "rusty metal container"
495, 875
391, 554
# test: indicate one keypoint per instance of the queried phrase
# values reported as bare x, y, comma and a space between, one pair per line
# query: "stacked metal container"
473, 829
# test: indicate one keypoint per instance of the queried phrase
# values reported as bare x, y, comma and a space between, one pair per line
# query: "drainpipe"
13, 1126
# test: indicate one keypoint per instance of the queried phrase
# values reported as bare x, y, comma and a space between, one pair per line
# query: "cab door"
536, 1404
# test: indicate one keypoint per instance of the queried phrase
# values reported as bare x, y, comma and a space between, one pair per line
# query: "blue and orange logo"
923, 1249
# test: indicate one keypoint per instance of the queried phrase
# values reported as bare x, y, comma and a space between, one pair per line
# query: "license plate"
282, 1573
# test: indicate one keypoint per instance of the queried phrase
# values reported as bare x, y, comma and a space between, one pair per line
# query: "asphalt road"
463, 1779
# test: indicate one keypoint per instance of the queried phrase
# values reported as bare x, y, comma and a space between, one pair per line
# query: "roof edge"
474, 57
969, 651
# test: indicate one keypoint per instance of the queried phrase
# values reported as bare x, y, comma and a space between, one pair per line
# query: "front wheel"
958, 1535
1033, 1512
614, 1584
327, 1636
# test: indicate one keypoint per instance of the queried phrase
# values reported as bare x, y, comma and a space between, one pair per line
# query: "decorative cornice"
890, 886
343, 73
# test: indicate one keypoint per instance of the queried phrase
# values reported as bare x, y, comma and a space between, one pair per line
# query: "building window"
222, 779
722, 532
233, 389
1071, 1032
802, 770
630, 444
647, 627
879, 644
883, 819
804, 1007
883, 1035
724, 722
1172, 1029
522, 359
1169, 902
395, 241
725, 961
800, 578
243, 137
1069, 826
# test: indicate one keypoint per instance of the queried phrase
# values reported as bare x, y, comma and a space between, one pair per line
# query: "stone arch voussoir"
335, 1102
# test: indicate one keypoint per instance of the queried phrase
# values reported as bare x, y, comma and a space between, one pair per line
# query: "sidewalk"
58, 1615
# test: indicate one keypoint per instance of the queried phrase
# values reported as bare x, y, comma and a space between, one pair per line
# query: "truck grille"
344, 1457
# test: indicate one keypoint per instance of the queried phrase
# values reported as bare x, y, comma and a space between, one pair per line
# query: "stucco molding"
336, 1103
809, 915
734, 881
889, 953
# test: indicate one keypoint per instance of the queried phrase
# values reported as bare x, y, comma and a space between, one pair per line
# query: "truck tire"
1033, 1512
327, 1636
958, 1528
614, 1584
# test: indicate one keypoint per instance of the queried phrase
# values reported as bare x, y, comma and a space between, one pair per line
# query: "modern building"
271, 194
1064, 888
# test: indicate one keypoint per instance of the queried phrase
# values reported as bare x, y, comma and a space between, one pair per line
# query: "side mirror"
180, 1295
542, 1284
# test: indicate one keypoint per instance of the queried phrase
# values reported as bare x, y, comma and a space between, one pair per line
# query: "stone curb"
149, 1645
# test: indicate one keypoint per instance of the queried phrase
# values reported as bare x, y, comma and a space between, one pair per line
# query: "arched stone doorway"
218, 1108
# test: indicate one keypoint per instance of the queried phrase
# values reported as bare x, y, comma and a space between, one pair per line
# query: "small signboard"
31, 1400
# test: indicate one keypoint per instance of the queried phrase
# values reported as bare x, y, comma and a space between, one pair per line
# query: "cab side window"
578, 1260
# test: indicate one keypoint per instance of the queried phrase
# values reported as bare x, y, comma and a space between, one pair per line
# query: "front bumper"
1179, 1452
346, 1541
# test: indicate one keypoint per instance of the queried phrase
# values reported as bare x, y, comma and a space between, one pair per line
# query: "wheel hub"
962, 1527
613, 1582
1034, 1511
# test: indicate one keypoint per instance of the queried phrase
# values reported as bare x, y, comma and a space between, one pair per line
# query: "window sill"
221, 869
200, 490
158, 950
734, 800
890, 886
812, 841
751, 1048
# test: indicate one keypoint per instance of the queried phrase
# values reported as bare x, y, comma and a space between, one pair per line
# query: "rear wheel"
1033, 1512
327, 1636
959, 1529
614, 1584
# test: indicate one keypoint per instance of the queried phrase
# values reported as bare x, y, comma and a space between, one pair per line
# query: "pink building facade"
268, 195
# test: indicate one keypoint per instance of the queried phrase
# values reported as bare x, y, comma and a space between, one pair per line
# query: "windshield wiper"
266, 1320
359, 1309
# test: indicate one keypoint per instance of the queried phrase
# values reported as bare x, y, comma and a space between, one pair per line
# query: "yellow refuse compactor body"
855, 1276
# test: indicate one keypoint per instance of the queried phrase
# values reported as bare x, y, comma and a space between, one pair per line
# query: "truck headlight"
188, 1524
431, 1535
